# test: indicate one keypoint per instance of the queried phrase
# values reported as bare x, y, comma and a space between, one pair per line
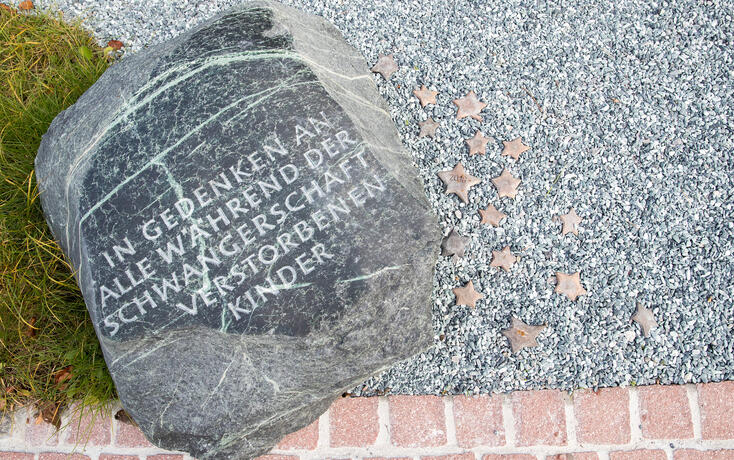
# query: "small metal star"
522, 335
644, 317
454, 245
477, 144
514, 148
425, 95
467, 295
503, 259
492, 216
506, 184
428, 128
469, 106
570, 222
385, 66
458, 181
570, 285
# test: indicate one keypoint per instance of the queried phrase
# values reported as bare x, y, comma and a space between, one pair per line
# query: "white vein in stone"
266, 93
134, 105
372, 275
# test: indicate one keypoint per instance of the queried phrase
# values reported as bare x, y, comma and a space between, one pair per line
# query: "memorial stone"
250, 237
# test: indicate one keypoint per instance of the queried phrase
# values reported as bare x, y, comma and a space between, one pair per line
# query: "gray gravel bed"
628, 107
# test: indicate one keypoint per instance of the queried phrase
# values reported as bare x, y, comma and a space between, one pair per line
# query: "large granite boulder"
250, 237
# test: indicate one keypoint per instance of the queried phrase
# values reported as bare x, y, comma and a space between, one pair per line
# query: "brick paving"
690, 422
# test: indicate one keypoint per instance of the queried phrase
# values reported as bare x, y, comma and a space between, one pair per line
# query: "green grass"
48, 350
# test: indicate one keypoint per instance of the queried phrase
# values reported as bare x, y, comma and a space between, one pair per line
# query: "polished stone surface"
250, 237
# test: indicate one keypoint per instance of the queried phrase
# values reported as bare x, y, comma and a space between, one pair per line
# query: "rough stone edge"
114, 92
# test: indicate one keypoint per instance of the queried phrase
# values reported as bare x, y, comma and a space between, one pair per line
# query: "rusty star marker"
506, 184
425, 95
514, 148
503, 259
467, 295
492, 216
522, 335
469, 106
428, 128
385, 66
458, 181
571, 222
570, 285
477, 144
644, 317
454, 245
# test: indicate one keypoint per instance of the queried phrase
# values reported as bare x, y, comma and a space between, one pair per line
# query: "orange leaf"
115, 44
6, 7
61, 376
26, 5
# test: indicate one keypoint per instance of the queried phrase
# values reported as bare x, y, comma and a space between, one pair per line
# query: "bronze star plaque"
514, 148
425, 95
570, 222
428, 128
454, 245
469, 106
385, 66
522, 335
644, 317
503, 259
477, 144
492, 216
506, 184
570, 285
467, 295
458, 181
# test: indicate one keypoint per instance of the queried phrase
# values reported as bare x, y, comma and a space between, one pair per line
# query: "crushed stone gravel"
628, 108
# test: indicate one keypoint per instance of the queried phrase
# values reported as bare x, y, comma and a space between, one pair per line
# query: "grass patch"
49, 353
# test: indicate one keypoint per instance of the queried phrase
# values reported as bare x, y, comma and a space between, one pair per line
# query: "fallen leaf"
49, 412
26, 5
115, 44
124, 417
31, 331
61, 376
7, 7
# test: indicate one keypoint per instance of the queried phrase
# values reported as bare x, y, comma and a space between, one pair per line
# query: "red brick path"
692, 422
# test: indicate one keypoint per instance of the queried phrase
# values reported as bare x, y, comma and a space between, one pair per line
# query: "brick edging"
690, 422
